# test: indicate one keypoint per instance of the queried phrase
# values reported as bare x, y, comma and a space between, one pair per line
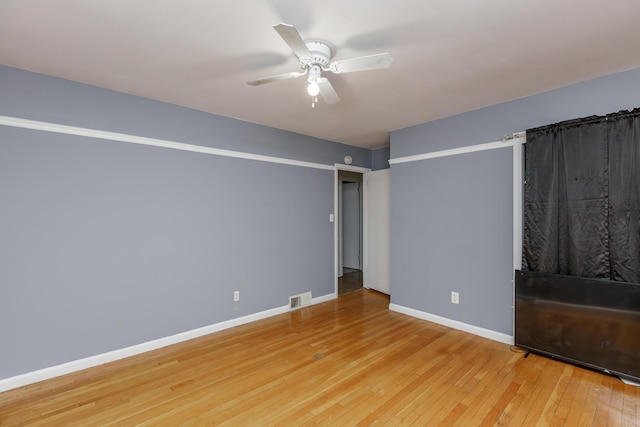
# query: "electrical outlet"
236, 295
455, 298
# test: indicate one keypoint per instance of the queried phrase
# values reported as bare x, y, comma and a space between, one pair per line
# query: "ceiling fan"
314, 56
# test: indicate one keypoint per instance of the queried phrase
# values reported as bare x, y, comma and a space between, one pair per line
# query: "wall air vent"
298, 301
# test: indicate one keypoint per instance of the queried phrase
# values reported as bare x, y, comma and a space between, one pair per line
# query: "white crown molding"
100, 359
133, 139
475, 330
505, 143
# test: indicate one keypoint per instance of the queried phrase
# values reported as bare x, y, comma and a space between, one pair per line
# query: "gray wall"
40, 97
105, 245
451, 217
380, 158
598, 96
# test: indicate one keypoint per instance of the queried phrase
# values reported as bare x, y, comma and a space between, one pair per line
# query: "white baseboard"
324, 298
101, 359
476, 330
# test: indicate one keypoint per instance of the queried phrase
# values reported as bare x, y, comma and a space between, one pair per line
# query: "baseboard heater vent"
298, 301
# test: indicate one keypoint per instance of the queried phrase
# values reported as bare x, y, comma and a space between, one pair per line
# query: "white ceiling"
450, 56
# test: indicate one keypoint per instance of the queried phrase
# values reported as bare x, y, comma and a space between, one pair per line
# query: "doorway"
350, 231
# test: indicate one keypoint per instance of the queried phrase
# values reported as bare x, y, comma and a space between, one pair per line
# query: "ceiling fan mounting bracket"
321, 53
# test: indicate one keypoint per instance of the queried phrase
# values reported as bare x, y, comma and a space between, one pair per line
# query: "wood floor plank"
444, 391
629, 410
551, 371
601, 416
572, 397
591, 402
345, 362
550, 410
518, 406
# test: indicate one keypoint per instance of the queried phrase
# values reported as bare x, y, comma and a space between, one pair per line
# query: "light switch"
331, 218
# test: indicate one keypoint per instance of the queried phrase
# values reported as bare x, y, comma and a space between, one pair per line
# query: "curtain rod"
514, 136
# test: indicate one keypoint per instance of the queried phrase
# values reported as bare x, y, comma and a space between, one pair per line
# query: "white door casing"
336, 210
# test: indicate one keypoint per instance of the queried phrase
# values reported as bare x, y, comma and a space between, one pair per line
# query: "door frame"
336, 205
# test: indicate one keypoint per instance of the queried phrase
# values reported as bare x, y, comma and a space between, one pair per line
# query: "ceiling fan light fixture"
315, 73
313, 89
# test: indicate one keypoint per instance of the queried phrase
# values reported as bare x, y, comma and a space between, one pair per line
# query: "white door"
378, 232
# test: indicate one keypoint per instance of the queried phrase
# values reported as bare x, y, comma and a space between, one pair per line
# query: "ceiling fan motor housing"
321, 52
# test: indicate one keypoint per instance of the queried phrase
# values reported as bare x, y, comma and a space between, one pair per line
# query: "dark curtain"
624, 195
582, 198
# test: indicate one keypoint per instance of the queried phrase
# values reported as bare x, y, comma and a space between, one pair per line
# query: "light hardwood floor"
345, 362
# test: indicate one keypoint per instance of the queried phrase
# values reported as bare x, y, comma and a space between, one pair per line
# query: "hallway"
350, 281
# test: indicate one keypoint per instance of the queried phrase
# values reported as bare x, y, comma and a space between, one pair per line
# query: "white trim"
365, 227
324, 298
133, 139
517, 203
482, 332
339, 166
517, 219
507, 142
100, 359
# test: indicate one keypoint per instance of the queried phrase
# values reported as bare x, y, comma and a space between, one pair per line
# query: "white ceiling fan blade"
291, 36
327, 92
363, 63
276, 78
